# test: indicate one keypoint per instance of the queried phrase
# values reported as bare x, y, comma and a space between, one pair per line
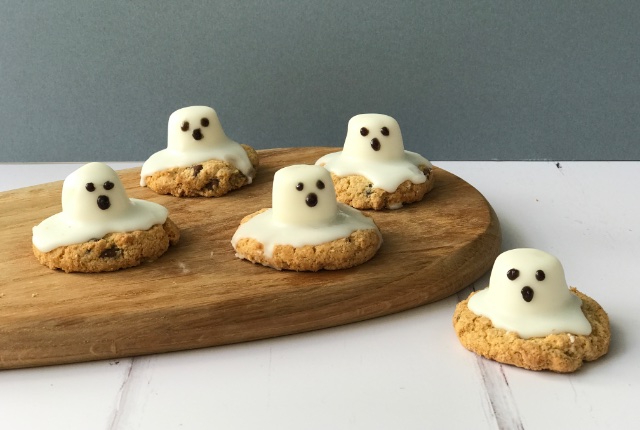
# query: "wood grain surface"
199, 294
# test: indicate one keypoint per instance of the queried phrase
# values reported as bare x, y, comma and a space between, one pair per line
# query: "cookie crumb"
184, 268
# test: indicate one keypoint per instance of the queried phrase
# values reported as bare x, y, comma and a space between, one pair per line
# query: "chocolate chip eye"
185, 126
513, 274
527, 294
364, 131
204, 122
90, 187
320, 184
300, 186
540, 275
108, 185
384, 131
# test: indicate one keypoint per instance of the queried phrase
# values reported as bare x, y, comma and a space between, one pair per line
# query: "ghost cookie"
530, 318
373, 170
100, 229
306, 229
200, 160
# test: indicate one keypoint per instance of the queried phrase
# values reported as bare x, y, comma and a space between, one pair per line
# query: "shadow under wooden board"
199, 294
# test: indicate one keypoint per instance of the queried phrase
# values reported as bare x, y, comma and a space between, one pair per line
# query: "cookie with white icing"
200, 160
306, 229
530, 318
373, 170
100, 229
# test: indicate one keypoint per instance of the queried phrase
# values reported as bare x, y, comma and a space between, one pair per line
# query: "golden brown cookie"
557, 352
357, 191
342, 253
114, 251
213, 178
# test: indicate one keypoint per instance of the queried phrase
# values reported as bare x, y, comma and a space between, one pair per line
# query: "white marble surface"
404, 371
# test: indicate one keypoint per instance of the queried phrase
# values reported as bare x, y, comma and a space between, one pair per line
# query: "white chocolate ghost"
303, 195
195, 135
304, 212
94, 203
528, 295
374, 149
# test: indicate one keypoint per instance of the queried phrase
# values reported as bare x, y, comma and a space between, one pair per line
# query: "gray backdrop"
92, 80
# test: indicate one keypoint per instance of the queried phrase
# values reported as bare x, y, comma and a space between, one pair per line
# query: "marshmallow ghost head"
375, 137
193, 128
304, 195
528, 294
93, 193
528, 281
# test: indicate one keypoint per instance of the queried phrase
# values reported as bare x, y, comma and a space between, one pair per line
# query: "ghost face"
194, 128
303, 195
528, 295
93, 193
528, 281
374, 137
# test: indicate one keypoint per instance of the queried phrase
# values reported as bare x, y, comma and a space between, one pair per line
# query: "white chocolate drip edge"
386, 175
228, 151
567, 319
62, 230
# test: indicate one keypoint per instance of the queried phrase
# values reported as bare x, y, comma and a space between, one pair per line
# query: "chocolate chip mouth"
527, 294
375, 144
103, 202
197, 134
311, 200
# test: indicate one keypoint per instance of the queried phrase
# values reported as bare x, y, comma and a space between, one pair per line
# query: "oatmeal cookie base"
212, 178
556, 352
359, 247
358, 192
112, 252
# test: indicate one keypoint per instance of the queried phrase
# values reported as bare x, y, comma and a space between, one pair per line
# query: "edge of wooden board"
200, 295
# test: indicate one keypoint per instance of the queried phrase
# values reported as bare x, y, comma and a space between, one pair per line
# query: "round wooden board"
199, 294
